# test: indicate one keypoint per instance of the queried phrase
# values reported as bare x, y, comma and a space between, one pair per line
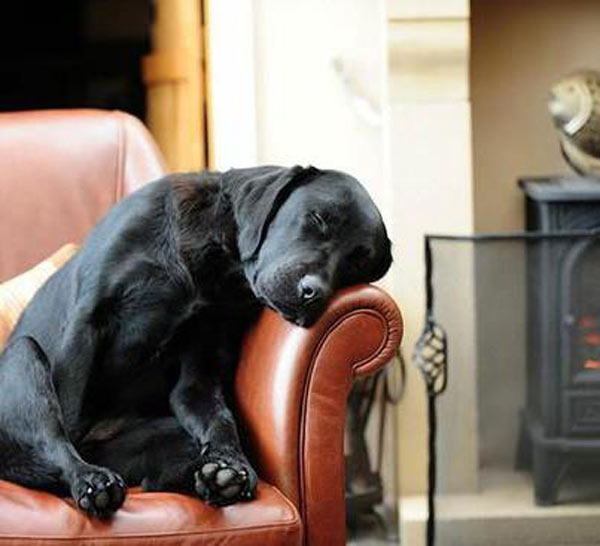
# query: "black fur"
118, 370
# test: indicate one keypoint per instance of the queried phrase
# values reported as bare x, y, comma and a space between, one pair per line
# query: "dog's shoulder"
192, 192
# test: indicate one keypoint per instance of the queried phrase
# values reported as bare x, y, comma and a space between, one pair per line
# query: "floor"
503, 514
379, 529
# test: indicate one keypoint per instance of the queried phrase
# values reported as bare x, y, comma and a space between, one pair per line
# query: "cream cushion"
17, 292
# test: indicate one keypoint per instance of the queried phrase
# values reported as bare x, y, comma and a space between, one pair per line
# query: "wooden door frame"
201, 83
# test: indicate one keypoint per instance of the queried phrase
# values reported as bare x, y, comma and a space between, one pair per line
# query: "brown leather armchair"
60, 171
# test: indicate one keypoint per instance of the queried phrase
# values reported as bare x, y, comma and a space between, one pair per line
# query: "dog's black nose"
310, 288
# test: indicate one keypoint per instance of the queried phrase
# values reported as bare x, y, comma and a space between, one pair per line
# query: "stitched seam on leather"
309, 377
226, 531
120, 157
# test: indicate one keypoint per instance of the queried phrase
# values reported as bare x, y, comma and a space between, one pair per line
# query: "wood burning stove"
561, 420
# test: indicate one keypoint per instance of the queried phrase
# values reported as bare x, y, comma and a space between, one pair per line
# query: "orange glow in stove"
592, 364
592, 339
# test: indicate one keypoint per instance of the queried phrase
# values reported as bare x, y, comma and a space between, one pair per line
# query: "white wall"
232, 87
305, 113
430, 163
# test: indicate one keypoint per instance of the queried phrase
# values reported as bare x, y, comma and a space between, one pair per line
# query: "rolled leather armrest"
291, 389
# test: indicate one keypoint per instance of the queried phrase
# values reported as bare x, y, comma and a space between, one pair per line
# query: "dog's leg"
156, 452
33, 437
198, 402
71, 369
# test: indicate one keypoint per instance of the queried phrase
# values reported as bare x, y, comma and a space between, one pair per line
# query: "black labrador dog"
117, 372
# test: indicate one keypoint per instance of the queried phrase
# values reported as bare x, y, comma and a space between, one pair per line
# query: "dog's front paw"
98, 491
224, 477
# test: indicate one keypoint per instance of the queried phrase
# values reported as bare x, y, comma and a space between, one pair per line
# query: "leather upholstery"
33, 517
292, 384
61, 171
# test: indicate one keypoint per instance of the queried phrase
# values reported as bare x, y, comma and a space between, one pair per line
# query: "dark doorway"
74, 54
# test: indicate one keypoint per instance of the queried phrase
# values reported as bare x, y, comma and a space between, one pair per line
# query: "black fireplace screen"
521, 316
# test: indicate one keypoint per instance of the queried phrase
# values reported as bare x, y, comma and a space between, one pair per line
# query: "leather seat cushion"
34, 517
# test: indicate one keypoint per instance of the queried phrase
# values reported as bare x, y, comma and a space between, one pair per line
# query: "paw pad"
99, 492
221, 481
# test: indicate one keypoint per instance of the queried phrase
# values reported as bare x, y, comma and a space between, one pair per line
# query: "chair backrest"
60, 172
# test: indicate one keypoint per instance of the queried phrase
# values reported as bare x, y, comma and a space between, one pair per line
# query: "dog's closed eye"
318, 220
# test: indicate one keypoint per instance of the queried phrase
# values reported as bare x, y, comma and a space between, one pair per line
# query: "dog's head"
303, 234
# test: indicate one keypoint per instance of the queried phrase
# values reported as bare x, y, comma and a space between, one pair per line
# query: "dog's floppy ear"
256, 194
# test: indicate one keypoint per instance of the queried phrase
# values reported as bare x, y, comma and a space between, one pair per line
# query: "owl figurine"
575, 108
